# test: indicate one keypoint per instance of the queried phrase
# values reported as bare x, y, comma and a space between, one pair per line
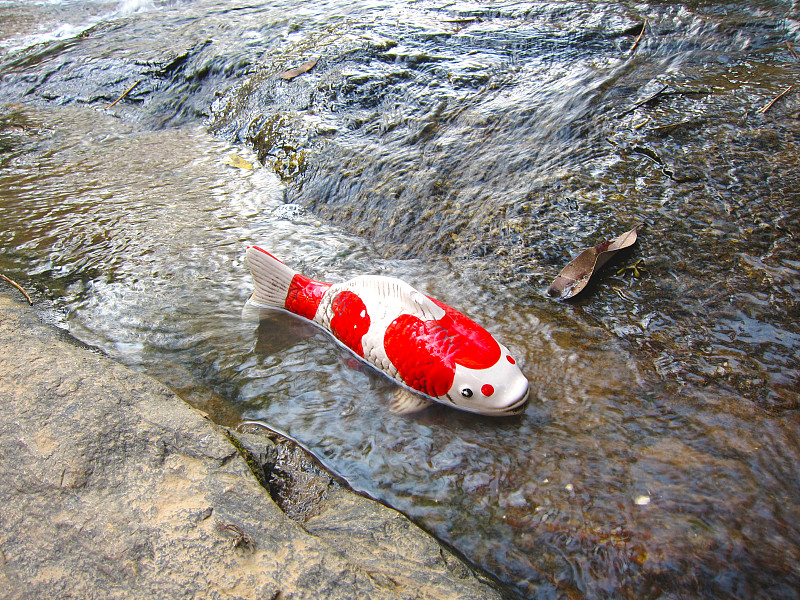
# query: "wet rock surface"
163, 69
113, 487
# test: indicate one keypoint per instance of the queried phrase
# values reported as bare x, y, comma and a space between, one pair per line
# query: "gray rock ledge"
111, 487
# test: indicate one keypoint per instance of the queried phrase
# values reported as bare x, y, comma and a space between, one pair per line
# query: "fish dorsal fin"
413, 301
429, 309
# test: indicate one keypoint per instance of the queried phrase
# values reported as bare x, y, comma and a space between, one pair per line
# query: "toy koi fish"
421, 343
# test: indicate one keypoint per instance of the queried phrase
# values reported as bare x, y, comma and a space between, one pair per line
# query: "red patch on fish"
475, 347
304, 295
426, 352
422, 353
350, 320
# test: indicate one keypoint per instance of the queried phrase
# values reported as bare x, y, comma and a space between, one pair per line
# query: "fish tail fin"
272, 279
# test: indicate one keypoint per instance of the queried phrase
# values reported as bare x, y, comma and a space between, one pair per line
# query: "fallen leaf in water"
235, 160
292, 73
574, 277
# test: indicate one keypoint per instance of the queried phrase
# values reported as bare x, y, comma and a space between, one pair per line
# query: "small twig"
792, 51
649, 154
240, 538
775, 99
645, 101
669, 125
19, 287
638, 37
125, 93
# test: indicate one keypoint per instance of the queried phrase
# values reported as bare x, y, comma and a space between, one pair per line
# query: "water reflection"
645, 465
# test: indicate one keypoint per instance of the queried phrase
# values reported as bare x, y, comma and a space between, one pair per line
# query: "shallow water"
659, 456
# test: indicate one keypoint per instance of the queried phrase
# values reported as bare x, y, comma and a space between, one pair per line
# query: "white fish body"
417, 341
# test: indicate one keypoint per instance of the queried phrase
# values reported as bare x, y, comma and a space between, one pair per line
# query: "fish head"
455, 361
498, 390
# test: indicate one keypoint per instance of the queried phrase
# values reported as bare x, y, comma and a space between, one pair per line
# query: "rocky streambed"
471, 150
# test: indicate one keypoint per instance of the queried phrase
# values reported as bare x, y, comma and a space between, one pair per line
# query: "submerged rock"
113, 487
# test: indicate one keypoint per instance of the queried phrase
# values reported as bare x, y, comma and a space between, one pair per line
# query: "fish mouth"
506, 411
518, 406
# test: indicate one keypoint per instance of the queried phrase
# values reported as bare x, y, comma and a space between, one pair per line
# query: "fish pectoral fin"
406, 402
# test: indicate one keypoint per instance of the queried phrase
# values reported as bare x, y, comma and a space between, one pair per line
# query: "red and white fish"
417, 341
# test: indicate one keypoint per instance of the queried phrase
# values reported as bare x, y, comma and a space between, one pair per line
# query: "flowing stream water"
469, 149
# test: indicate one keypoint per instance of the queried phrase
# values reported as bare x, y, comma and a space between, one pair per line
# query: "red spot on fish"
511, 360
487, 390
426, 352
422, 353
304, 295
350, 320
475, 347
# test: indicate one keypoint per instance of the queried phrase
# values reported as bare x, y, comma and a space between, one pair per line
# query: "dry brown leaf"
292, 73
574, 277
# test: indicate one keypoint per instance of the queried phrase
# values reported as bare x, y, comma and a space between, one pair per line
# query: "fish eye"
466, 392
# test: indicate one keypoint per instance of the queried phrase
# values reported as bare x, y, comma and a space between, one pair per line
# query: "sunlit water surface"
616, 481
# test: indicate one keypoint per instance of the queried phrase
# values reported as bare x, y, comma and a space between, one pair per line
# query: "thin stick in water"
125, 93
639, 37
775, 99
19, 287
670, 125
645, 101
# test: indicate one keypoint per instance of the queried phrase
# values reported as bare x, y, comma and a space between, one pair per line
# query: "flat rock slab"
111, 486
